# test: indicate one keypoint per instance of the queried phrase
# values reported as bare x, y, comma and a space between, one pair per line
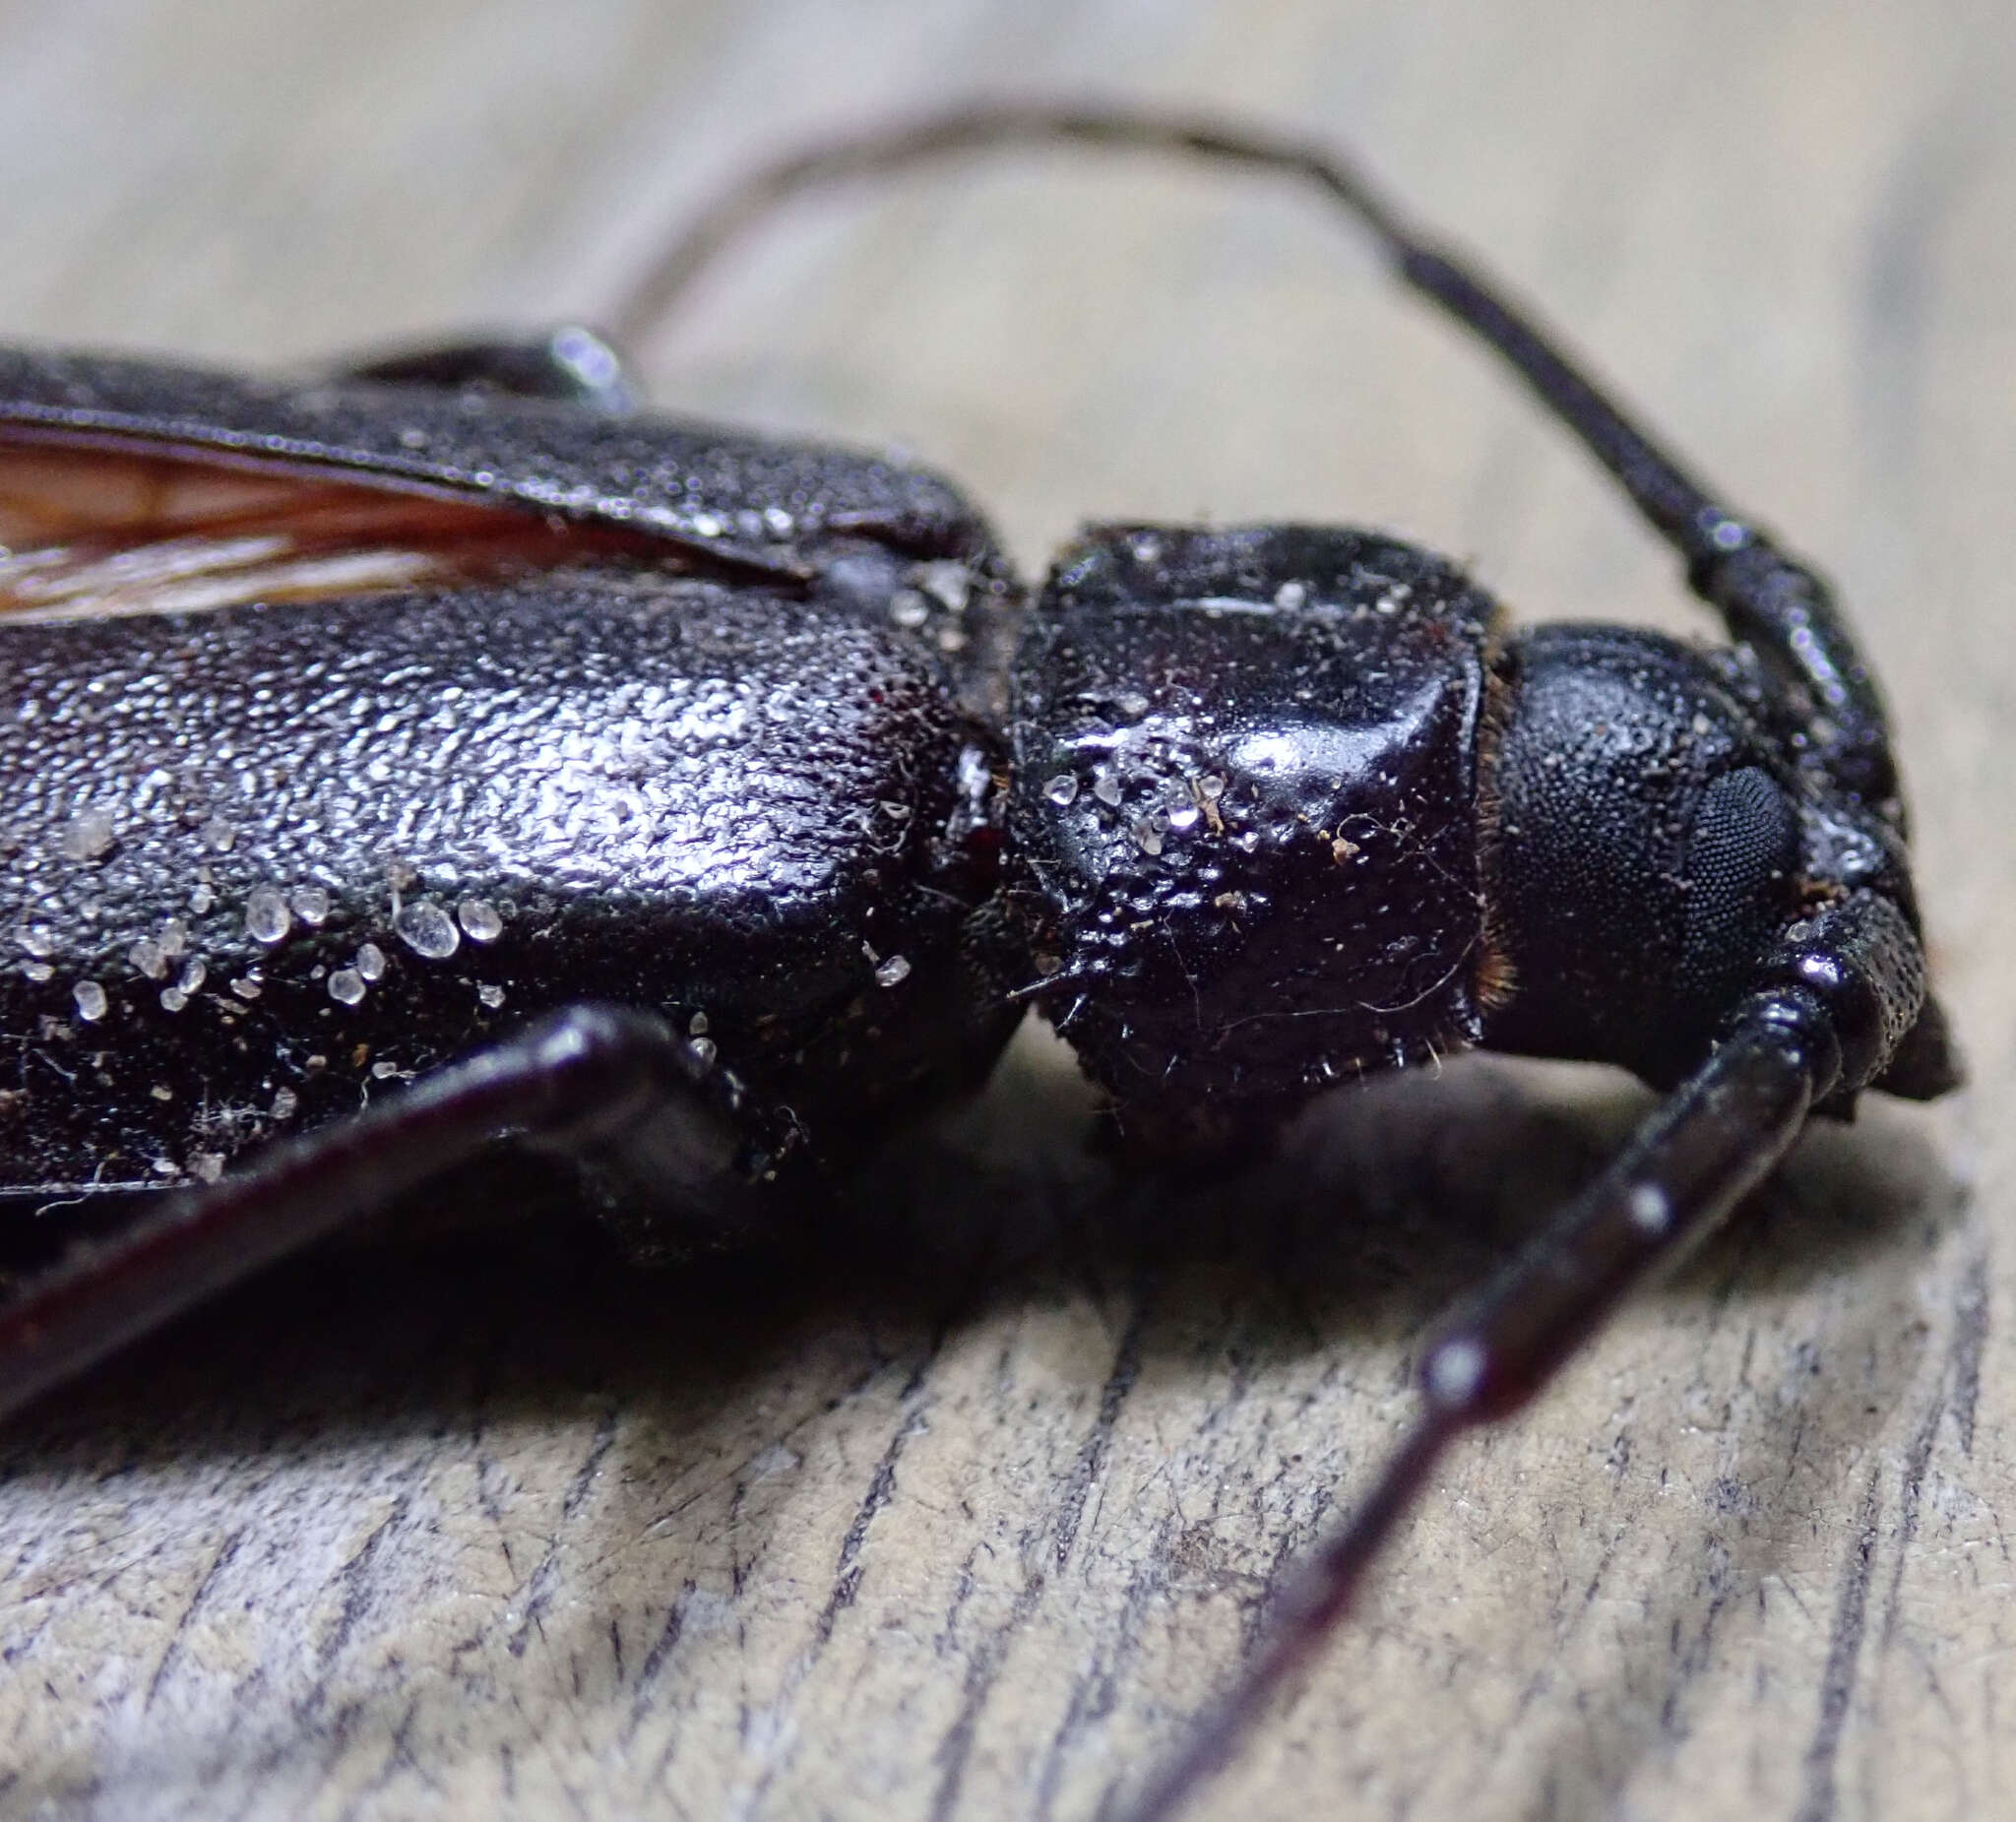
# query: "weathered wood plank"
967, 1525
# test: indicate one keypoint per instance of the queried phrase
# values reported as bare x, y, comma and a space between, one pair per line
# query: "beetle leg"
593, 1082
1838, 995
572, 364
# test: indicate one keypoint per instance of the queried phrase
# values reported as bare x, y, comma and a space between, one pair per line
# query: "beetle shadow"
1373, 1213
1375, 1210
1381, 1210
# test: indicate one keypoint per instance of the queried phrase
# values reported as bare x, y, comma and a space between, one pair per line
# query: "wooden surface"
965, 1520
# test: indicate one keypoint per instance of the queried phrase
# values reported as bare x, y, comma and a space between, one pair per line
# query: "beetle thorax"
1246, 808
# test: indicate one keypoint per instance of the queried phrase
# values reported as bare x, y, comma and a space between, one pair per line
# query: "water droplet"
380, 1070
1211, 786
285, 1101
192, 976
1184, 816
1062, 789
87, 837
697, 1025
161, 1092
907, 608
427, 930
479, 920
220, 835
952, 638
38, 971
706, 525
1454, 1370
1132, 704
173, 999
146, 959
346, 987
703, 1049
492, 998
949, 580
777, 520
311, 904
891, 972
267, 916
370, 962
1650, 1209
1291, 594
92, 1004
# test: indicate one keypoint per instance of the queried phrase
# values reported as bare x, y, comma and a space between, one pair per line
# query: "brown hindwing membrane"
88, 533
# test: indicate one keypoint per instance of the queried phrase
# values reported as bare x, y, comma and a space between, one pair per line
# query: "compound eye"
1743, 866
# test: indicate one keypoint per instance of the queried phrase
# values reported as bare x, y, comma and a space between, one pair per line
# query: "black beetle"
689, 807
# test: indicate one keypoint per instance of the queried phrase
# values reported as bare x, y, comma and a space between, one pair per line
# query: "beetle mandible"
688, 806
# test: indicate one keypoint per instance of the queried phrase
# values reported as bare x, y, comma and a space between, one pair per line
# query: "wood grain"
963, 1515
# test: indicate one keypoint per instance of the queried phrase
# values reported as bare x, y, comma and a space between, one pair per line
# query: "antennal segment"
1766, 598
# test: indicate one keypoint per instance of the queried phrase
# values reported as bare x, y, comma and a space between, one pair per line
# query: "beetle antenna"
1766, 598
1710, 1143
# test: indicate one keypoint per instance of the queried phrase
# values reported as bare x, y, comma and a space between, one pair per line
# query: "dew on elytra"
479, 920
427, 930
268, 916
87, 836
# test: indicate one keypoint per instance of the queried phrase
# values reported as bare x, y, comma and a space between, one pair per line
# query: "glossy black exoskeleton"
438, 754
